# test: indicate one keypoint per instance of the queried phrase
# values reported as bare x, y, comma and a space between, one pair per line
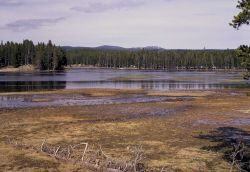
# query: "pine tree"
243, 18
44, 57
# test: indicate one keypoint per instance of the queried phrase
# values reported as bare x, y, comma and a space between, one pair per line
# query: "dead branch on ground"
95, 160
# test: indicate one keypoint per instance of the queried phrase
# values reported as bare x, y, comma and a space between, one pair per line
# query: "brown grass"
169, 140
86, 91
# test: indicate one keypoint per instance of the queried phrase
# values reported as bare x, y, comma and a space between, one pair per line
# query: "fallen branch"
94, 160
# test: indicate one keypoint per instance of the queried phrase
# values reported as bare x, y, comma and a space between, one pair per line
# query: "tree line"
155, 59
42, 56
51, 57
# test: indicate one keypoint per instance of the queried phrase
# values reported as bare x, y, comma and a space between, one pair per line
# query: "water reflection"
11, 86
110, 78
154, 85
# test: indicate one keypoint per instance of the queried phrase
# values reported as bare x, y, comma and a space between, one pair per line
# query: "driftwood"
95, 160
237, 156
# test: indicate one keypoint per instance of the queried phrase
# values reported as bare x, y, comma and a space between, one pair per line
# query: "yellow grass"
170, 140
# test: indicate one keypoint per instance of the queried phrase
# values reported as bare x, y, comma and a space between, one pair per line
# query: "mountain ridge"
113, 48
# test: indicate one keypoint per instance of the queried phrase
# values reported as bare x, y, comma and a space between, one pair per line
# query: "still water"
111, 78
55, 100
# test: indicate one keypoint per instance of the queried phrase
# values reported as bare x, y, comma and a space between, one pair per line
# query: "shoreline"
24, 69
32, 69
102, 92
142, 69
20, 69
94, 91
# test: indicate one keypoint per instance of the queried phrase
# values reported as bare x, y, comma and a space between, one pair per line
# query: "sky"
171, 24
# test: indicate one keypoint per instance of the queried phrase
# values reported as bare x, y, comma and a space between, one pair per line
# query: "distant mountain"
114, 48
151, 48
68, 48
110, 47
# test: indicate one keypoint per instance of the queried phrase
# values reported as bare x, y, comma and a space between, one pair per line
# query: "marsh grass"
24, 161
168, 141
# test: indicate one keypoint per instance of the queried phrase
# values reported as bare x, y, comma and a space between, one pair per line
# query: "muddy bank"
55, 100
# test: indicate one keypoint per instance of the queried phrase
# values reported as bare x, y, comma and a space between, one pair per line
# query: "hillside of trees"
42, 56
155, 59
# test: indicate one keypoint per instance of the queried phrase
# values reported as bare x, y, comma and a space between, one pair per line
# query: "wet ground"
186, 131
53, 100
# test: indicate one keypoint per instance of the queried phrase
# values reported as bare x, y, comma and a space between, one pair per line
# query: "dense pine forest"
154, 59
42, 56
50, 57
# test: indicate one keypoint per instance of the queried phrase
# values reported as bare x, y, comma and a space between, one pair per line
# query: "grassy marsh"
170, 140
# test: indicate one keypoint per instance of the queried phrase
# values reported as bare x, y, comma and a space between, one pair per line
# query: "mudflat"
182, 134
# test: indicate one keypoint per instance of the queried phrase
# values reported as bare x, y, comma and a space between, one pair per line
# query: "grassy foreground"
187, 135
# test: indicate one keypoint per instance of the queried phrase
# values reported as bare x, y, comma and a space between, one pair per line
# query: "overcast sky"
188, 24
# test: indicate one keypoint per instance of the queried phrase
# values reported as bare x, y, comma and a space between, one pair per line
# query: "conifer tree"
243, 18
44, 57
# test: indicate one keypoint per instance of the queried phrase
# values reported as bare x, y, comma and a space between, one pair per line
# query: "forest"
51, 57
155, 59
42, 56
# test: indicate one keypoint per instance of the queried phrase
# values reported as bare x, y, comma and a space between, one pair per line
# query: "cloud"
99, 7
31, 24
129, 23
10, 3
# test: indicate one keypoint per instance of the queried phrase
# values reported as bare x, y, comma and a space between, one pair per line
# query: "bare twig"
42, 145
237, 156
95, 160
57, 150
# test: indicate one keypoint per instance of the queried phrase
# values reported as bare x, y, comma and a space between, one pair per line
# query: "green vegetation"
244, 53
154, 59
43, 56
243, 17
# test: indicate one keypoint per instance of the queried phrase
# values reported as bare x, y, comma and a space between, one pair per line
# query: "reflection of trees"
31, 85
158, 85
